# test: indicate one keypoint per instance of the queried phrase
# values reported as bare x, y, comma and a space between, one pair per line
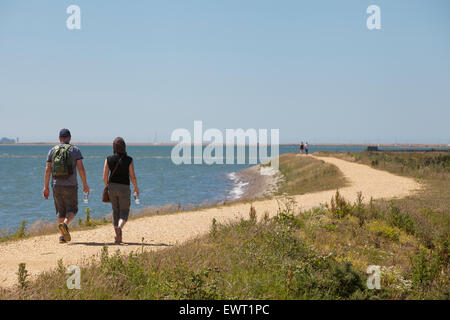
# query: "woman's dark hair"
119, 146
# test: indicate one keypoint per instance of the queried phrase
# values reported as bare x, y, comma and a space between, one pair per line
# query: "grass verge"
304, 174
316, 254
429, 209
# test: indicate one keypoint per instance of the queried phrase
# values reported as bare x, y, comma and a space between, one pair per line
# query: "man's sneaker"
61, 240
65, 231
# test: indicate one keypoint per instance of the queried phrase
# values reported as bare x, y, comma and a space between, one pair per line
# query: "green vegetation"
89, 222
422, 165
289, 256
303, 174
427, 213
247, 259
20, 233
22, 276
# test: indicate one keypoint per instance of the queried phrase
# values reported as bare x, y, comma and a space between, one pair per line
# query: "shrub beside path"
41, 253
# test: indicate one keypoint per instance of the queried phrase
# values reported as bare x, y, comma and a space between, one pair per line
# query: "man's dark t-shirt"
122, 174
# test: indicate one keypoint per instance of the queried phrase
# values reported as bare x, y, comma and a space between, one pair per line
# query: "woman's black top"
122, 174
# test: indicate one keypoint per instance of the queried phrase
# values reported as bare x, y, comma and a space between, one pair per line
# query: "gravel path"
41, 253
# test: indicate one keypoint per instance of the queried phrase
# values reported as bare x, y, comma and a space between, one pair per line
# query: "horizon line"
381, 144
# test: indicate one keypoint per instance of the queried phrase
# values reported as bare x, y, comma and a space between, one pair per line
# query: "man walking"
62, 163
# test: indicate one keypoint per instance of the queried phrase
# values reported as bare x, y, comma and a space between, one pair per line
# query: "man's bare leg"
69, 218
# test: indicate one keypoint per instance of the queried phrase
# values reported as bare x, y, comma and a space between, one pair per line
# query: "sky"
141, 69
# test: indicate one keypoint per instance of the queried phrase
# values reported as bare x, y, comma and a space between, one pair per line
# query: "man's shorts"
66, 200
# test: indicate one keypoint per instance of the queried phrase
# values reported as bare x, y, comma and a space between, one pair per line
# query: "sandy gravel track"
42, 253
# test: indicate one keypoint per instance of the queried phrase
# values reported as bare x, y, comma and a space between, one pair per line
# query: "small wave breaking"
239, 186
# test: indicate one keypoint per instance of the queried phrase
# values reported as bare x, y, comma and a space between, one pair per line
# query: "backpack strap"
59, 146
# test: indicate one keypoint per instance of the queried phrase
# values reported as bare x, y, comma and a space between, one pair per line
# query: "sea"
161, 182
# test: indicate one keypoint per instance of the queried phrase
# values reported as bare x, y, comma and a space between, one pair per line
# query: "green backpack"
62, 162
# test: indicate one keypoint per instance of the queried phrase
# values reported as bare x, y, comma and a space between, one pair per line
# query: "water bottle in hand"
136, 198
85, 197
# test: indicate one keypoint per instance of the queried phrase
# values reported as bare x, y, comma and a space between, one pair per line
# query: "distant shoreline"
399, 145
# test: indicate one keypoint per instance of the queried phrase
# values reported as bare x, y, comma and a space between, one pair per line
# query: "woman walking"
121, 167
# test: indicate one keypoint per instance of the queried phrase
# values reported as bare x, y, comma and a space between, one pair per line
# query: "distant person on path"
301, 147
62, 163
121, 167
306, 147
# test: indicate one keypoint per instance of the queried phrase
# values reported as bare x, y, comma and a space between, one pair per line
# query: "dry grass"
304, 174
244, 260
316, 254
430, 207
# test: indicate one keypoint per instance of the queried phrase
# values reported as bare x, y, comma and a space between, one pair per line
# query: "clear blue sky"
309, 68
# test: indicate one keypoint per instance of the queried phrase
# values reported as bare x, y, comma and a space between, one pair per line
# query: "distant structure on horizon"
155, 139
5, 140
372, 148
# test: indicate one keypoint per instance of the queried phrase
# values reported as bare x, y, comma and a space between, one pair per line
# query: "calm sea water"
160, 181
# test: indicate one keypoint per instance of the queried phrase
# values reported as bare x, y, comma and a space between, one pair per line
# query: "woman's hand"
133, 178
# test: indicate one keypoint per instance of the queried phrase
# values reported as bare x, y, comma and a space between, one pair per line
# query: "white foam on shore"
239, 185
267, 171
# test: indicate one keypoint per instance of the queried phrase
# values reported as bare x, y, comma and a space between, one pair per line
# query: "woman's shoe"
118, 238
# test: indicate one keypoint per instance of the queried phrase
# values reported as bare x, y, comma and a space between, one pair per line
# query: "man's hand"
136, 190
46, 193
48, 172
86, 189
